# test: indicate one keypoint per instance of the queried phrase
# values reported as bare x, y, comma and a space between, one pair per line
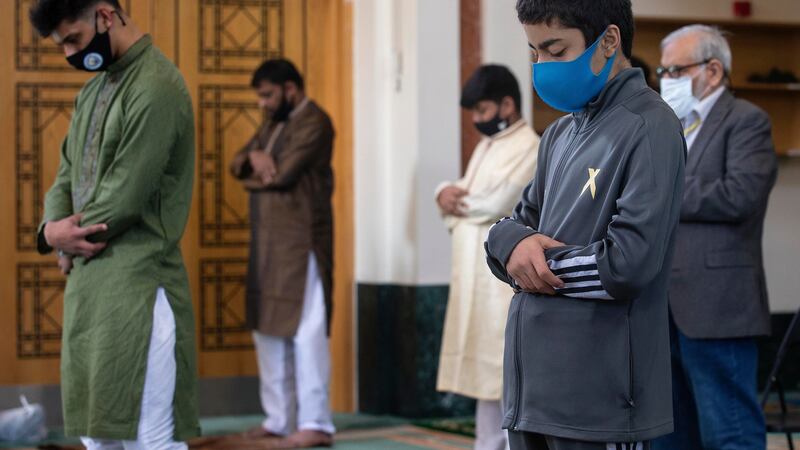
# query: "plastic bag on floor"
23, 424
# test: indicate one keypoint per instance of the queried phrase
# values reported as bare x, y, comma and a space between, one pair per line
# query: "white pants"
489, 432
156, 422
295, 371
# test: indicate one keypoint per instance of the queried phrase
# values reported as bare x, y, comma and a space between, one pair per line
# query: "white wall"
407, 136
504, 42
407, 127
439, 128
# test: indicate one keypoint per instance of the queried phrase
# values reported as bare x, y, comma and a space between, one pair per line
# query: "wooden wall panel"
330, 66
216, 45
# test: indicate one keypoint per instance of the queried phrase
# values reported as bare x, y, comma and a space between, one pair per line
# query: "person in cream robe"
503, 163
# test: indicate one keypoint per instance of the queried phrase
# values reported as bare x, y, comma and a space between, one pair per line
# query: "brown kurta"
290, 217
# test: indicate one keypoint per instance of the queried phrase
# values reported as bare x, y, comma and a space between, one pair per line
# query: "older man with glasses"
718, 298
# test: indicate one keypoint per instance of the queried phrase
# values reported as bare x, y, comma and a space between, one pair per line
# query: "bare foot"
258, 432
310, 438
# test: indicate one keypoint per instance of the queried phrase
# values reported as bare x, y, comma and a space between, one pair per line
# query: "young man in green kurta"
115, 214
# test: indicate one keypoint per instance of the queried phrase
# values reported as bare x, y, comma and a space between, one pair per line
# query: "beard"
284, 109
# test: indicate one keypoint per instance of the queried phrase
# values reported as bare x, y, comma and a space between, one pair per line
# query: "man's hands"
264, 168
528, 267
237, 164
68, 236
449, 200
64, 263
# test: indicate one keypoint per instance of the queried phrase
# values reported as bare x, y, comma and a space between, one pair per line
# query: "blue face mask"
569, 86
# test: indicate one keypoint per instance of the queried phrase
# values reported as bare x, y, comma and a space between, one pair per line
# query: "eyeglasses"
674, 71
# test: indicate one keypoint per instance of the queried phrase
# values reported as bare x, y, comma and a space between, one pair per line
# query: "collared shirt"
701, 112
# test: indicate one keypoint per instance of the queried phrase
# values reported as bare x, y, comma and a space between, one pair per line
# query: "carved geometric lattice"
222, 305
40, 296
229, 117
35, 53
43, 113
237, 35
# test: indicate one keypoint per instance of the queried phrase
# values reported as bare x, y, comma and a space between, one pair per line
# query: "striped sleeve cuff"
627, 446
580, 276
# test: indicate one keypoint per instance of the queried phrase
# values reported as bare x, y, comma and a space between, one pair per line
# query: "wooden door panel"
216, 44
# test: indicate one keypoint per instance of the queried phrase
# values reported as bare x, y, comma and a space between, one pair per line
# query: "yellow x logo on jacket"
590, 184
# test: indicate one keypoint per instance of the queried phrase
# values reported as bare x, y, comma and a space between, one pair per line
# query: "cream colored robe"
471, 360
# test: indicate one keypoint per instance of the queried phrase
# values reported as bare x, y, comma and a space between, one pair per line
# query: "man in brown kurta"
286, 167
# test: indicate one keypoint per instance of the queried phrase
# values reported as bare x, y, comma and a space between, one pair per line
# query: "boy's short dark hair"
46, 15
592, 17
277, 71
490, 82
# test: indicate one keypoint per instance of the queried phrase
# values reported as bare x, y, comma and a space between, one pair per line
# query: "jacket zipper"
517, 359
569, 151
517, 364
630, 399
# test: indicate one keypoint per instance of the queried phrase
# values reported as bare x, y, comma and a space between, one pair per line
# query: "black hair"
639, 62
277, 71
47, 15
591, 17
490, 82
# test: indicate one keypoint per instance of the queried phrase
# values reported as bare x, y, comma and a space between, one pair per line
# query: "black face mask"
96, 56
283, 111
492, 126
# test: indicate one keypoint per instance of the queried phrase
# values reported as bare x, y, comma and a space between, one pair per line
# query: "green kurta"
128, 162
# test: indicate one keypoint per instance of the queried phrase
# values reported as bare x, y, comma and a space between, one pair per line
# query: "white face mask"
677, 92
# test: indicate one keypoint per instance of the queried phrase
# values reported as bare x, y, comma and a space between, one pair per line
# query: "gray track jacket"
592, 362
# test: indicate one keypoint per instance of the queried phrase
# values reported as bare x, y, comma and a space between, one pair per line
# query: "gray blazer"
717, 285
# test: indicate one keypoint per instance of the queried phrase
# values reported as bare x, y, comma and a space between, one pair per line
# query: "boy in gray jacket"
589, 246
